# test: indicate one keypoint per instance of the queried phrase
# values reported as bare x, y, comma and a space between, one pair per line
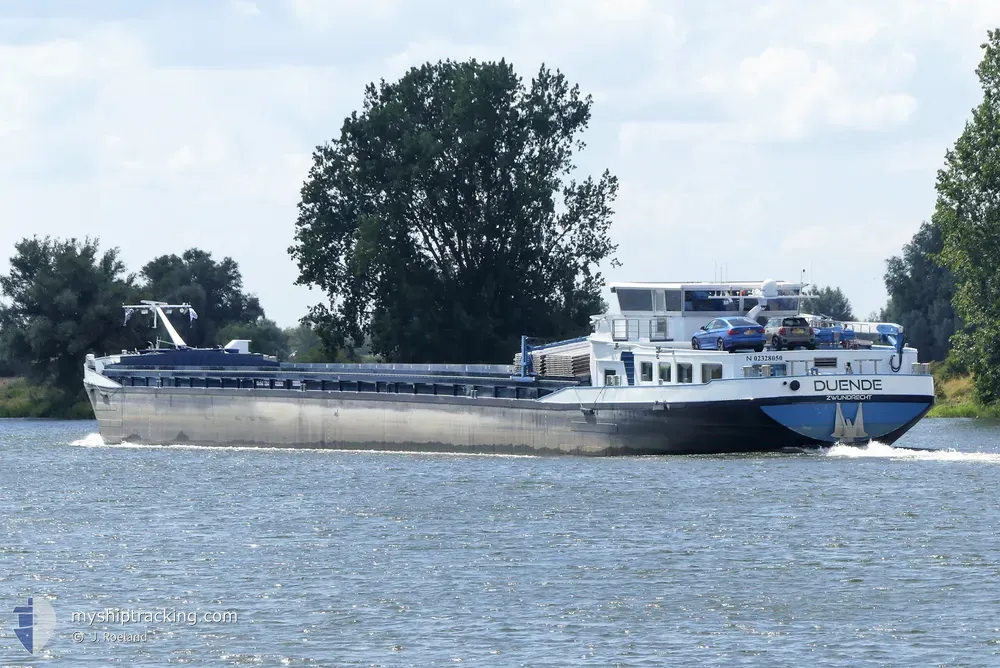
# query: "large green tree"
968, 213
920, 293
214, 289
443, 223
63, 299
829, 301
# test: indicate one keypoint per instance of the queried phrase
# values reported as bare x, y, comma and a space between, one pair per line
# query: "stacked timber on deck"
560, 360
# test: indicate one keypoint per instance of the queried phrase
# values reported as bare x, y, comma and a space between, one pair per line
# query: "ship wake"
95, 441
89, 441
881, 450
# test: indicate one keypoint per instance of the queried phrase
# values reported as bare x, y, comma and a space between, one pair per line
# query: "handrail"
654, 329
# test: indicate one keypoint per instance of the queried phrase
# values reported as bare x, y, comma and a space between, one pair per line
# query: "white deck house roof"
703, 285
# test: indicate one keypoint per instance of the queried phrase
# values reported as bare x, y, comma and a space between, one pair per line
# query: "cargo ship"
645, 381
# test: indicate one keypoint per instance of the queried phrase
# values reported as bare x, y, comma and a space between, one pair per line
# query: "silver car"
790, 332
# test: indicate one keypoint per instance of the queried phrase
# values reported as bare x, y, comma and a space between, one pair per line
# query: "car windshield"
741, 322
794, 322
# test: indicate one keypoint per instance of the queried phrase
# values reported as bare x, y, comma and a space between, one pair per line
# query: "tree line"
945, 287
63, 298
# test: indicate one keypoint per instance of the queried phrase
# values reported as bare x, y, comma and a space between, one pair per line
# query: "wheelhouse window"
665, 368
659, 301
646, 369
685, 372
674, 300
631, 299
710, 372
706, 300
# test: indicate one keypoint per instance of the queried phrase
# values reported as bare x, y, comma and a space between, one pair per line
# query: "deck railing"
653, 329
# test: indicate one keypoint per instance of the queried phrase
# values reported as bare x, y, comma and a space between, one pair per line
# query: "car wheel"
720, 345
776, 343
758, 349
694, 343
811, 346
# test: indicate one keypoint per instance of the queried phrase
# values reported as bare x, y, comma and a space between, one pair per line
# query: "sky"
752, 139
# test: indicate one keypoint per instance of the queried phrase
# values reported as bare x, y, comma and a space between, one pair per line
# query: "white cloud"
326, 14
245, 7
759, 135
857, 25
161, 158
875, 112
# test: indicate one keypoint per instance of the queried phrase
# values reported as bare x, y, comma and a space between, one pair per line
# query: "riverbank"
21, 399
955, 397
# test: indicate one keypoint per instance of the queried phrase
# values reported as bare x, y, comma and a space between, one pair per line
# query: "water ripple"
843, 556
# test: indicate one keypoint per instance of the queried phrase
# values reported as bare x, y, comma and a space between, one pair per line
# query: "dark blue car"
729, 334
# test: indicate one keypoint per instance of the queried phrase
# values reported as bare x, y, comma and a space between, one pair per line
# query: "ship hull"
417, 423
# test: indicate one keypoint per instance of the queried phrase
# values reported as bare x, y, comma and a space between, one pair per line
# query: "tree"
920, 293
264, 335
831, 302
443, 224
10, 365
968, 213
64, 300
214, 290
305, 345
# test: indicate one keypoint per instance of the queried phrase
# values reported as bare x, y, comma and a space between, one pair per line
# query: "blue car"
730, 334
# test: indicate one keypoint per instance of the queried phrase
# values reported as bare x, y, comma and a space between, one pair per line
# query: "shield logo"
35, 623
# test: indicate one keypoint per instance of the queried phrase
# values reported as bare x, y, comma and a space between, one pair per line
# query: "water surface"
848, 556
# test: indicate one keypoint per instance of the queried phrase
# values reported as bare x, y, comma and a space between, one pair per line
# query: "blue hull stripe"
819, 420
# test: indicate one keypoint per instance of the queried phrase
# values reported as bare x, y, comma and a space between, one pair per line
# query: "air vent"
826, 362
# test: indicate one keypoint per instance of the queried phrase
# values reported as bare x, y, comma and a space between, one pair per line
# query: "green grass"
955, 397
968, 409
21, 399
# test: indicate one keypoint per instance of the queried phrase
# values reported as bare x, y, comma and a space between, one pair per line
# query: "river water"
849, 556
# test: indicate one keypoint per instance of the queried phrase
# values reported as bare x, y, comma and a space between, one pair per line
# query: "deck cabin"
672, 312
647, 341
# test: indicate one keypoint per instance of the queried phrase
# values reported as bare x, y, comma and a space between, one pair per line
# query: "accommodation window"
685, 373
658, 329
646, 369
710, 372
664, 372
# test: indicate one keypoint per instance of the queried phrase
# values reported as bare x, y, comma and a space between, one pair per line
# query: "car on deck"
830, 332
790, 332
730, 334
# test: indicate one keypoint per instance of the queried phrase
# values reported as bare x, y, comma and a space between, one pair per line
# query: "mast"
158, 310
